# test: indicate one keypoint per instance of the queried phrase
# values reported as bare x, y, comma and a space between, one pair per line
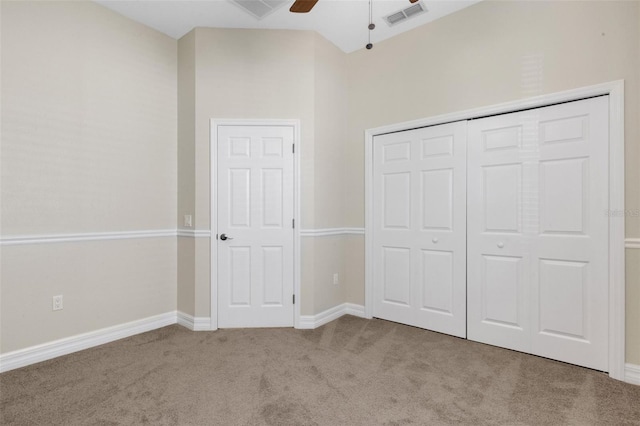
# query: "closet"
496, 229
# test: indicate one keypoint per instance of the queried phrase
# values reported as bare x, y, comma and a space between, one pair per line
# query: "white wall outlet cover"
336, 279
188, 220
57, 302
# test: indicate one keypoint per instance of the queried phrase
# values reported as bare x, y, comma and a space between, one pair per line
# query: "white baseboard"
50, 350
315, 321
632, 374
355, 310
194, 323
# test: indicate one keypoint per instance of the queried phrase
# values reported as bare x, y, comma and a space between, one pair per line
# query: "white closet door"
538, 231
420, 228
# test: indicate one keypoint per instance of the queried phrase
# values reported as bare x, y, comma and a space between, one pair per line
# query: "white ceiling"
343, 22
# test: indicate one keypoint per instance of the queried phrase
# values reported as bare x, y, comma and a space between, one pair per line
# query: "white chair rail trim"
85, 236
330, 232
632, 243
14, 240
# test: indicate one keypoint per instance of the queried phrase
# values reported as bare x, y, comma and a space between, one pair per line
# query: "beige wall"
249, 74
495, 52
329, 161
354, 269
88, 145
104, 283
330, 115
307, 275
328, 259
252, 74
633, 256
633, 306
186, 269
186, 170
88, 121
264, 74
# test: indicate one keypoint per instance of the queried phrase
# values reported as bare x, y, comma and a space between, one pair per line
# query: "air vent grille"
259, 8
396, 17
413, 10
404, 14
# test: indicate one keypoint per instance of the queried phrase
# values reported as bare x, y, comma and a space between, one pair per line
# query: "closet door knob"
434, 240
500, 244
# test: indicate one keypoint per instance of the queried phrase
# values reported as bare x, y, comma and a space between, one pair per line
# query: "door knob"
500, 244
224, 237
434, 240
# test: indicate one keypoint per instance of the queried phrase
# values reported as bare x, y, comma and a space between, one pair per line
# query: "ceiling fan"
304, 6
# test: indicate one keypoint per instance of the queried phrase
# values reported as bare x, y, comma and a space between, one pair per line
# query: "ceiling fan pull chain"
371, 24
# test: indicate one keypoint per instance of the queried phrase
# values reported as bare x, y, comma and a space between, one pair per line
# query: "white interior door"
419, 223
538, 231
255, 226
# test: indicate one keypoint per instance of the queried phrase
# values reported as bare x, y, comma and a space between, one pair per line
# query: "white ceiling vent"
404, 14
259, 8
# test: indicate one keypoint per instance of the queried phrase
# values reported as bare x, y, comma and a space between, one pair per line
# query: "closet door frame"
615, 91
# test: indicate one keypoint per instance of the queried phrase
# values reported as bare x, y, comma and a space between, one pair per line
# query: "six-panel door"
538, 231
420, 228
255, 213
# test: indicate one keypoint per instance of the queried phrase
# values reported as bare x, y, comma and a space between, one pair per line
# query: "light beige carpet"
350, 372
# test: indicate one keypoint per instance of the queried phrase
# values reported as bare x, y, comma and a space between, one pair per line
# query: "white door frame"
615, 90
213, 150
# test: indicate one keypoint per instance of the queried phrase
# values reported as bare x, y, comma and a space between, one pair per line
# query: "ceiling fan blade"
303, 6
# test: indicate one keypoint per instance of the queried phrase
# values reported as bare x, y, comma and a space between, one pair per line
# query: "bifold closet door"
538, 231
419, 179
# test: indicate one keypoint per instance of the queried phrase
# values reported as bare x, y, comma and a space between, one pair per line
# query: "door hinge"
293, 223
293, 148
294, 299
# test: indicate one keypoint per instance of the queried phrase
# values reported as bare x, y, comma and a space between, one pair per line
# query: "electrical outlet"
57, 302
188, 221
336, 279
